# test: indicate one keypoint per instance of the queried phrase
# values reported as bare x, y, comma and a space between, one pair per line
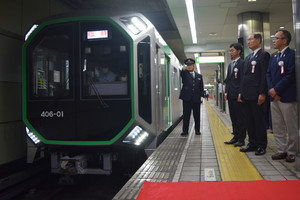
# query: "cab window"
144, 80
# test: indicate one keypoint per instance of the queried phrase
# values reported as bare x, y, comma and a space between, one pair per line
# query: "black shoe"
290, 158
260, 151
198, 133
279, 156
184, 133
232, 141
239, 144
248, 148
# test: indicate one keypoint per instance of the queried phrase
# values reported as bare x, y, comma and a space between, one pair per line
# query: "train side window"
144, 80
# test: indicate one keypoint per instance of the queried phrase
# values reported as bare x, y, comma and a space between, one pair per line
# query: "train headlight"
134, 24
32, 136
30, 31
137, 136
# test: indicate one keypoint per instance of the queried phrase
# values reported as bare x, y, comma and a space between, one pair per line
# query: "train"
98, 90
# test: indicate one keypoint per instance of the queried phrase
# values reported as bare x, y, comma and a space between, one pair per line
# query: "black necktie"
252, 55
279, 55
193, 74
232, 65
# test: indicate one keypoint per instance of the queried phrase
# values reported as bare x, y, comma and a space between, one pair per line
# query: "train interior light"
30, 31
137, 136
32, 136
135, 24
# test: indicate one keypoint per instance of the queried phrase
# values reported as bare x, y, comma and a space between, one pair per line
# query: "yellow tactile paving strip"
234, 165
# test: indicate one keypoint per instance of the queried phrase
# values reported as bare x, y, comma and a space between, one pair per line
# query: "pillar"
253, 22
296, 15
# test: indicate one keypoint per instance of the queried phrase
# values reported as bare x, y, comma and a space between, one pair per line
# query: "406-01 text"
52, 114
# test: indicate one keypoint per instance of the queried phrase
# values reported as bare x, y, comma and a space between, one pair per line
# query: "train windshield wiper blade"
99, 97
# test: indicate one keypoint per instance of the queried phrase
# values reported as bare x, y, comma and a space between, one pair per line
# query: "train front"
78, 92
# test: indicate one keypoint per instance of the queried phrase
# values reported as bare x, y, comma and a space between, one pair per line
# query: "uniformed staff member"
191, 93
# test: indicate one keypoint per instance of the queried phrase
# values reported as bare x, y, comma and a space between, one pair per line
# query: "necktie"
232, 65
279, 55
193, 74
251, 57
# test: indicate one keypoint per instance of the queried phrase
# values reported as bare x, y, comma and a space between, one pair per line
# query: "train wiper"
99, 97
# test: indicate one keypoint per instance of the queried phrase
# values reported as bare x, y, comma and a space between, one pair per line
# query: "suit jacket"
283, 82
254, 81
192, 88
233, 79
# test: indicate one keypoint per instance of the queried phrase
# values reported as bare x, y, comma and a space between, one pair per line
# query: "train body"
97, 89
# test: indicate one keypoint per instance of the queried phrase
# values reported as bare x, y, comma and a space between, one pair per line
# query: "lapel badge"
235, 72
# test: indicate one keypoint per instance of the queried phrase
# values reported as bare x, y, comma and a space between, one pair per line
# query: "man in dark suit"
253, 95
232, 91
282, 88
191, 93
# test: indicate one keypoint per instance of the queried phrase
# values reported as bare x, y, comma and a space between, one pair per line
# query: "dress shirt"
193, 74
282, 51
233, 63
255, 51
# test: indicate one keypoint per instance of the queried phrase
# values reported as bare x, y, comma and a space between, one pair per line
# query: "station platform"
205, 157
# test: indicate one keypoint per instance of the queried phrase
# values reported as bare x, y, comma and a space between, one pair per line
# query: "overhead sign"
97, 34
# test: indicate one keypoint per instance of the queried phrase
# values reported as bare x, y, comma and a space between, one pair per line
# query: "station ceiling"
216, 20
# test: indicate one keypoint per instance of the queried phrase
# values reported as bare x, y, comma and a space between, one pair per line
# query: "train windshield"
105, 60
99, 50
50, 61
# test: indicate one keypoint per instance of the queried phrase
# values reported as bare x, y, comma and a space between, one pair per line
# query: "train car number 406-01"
52, 114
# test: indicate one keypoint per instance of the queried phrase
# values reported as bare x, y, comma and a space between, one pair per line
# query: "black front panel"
78, 81
95, 121
53, 120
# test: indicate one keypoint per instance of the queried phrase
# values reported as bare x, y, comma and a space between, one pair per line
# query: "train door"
48, 82
167, 108
160, 56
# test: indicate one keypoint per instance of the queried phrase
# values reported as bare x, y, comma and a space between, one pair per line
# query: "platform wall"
16, 17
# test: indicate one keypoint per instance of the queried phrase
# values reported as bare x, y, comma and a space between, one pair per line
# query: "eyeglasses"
276, 38
189, 64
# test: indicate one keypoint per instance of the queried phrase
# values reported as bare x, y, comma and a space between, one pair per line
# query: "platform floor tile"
205, 157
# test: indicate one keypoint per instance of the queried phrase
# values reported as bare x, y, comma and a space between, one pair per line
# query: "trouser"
285, 120
237, 117
188, 106
255, 123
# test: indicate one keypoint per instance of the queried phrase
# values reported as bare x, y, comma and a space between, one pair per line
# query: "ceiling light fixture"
190, 12
197, 56
211, 59
251, 0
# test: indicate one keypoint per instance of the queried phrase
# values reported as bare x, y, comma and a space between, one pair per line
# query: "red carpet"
231, 190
